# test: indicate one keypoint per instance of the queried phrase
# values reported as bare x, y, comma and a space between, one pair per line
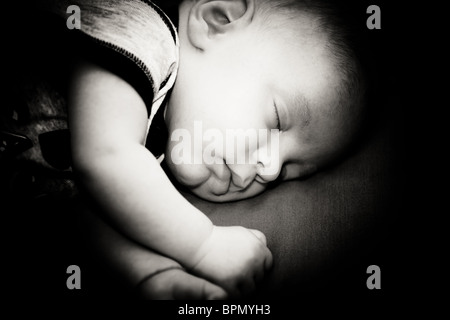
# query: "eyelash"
278, 116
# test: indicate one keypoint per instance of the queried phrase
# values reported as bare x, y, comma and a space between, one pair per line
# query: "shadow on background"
324, 231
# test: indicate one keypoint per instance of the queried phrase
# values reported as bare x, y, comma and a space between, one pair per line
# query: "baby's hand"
235, 258
177, 284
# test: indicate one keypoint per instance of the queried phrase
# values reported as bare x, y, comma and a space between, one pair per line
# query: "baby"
262, 91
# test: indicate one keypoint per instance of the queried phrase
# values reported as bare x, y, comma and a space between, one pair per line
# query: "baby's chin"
201, 182
212, 194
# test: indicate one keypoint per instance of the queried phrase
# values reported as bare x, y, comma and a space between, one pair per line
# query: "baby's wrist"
174, 266
201, 250
190, 237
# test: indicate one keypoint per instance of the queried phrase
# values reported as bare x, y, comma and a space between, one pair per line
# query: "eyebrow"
302, 111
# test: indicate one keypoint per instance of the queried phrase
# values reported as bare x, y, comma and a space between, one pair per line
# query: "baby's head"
266, 90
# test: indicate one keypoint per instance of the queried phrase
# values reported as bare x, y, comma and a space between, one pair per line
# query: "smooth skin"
225, 82
131, 187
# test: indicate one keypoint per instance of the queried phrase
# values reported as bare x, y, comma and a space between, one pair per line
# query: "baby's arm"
147, 273
108, 122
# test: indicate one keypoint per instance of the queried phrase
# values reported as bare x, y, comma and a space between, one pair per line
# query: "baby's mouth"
235, 188
219, 188
229, 188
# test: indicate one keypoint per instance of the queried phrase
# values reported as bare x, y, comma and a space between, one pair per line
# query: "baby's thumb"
259, 235
213, 292
190, 287
208, 290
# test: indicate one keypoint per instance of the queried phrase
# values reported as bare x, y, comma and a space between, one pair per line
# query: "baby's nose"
268, 168
268, 173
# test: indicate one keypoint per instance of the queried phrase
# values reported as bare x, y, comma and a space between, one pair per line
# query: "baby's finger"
268, 262
213, 292
259, 235
188, 286
264, 266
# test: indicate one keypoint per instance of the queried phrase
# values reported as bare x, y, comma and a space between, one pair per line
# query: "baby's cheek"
190, 175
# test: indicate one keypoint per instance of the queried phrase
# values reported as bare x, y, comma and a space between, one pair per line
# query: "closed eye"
277, 116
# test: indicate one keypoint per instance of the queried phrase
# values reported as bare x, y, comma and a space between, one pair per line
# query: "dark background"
374, 207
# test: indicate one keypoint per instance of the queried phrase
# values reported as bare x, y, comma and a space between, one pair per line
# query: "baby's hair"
334, 20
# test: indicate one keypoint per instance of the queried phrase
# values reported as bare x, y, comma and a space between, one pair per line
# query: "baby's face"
250, 111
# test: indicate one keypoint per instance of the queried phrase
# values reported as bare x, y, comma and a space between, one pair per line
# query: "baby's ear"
209, 19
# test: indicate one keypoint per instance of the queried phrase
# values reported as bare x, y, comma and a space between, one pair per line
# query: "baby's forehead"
310, 88
299, 26
327, 114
